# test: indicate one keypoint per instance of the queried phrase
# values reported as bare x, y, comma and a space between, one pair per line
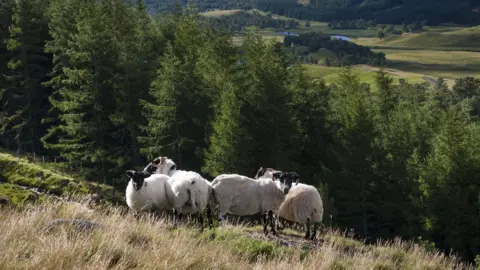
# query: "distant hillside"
383, 11
466, 38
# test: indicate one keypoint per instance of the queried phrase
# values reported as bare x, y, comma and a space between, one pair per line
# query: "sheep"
265, 172
200, 188
241, 195
146, 191
303, 204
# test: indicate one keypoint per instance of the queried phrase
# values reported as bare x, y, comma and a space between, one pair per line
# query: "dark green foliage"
381, 11
179, 113
23, 96
239, 21
355, 24
348, 53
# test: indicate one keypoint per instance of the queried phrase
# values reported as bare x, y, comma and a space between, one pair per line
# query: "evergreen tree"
6, 11
355, 132
450, 186
85, 91
29, 65
178, 117
386, 94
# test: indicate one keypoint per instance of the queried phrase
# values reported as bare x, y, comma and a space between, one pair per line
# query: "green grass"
366, 74
460, 39
19, 172
449, 65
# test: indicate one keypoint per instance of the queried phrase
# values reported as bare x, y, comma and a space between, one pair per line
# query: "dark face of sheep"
286, 179
138, 178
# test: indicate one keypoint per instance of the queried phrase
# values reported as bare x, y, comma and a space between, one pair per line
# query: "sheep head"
265, 172
164, 165
285, 180
138, 178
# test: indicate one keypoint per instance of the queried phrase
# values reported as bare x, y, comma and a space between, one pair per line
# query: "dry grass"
125, 242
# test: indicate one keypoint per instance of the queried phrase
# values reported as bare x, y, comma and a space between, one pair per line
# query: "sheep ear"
276, 175
130, 173
298, 180
146, 174
162, 160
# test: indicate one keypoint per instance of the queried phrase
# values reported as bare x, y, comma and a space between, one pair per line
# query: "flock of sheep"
273, 193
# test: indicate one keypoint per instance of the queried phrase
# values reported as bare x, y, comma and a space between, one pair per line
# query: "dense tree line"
241, 20
102, 82
348, 53
353, 24
381, 11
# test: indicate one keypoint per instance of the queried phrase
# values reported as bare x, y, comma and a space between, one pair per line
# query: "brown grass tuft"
124, 242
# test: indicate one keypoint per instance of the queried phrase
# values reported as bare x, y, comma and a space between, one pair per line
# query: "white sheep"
146, 191
265, 173
241, 195
199, 188
303, 204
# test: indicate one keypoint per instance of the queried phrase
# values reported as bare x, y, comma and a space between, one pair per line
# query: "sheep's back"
302, 202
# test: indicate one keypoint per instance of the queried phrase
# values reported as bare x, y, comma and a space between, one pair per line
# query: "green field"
365, 74
446, 64
458, 39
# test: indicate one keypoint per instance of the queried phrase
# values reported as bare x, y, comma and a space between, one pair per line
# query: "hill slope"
121, 242
23, 181
468, 38
383, 11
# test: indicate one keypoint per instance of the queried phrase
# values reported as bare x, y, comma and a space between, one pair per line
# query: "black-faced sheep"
303, 204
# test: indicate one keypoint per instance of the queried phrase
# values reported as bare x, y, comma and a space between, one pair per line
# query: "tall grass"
147, 243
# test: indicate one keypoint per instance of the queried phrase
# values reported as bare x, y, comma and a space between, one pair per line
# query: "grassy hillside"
122, 242
23, 181
467, 38
446, 64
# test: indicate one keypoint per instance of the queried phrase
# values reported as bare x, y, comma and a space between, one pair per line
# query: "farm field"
365, 74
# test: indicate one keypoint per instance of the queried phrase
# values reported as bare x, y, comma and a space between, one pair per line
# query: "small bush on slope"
124, 242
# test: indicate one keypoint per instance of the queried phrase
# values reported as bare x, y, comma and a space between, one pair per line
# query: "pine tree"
6, 12
450, 186
355, 132
386, 94
261, 113
179, 112
29, 66
85, 91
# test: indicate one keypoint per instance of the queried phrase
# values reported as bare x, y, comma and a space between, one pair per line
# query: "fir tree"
29, 66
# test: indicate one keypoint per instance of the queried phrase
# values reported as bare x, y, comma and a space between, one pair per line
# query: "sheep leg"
177, 215
264, 221
272, 222
307, 225
315, 226
200, 219
209, 216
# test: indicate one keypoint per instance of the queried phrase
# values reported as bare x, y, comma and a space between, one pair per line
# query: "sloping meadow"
45, 237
